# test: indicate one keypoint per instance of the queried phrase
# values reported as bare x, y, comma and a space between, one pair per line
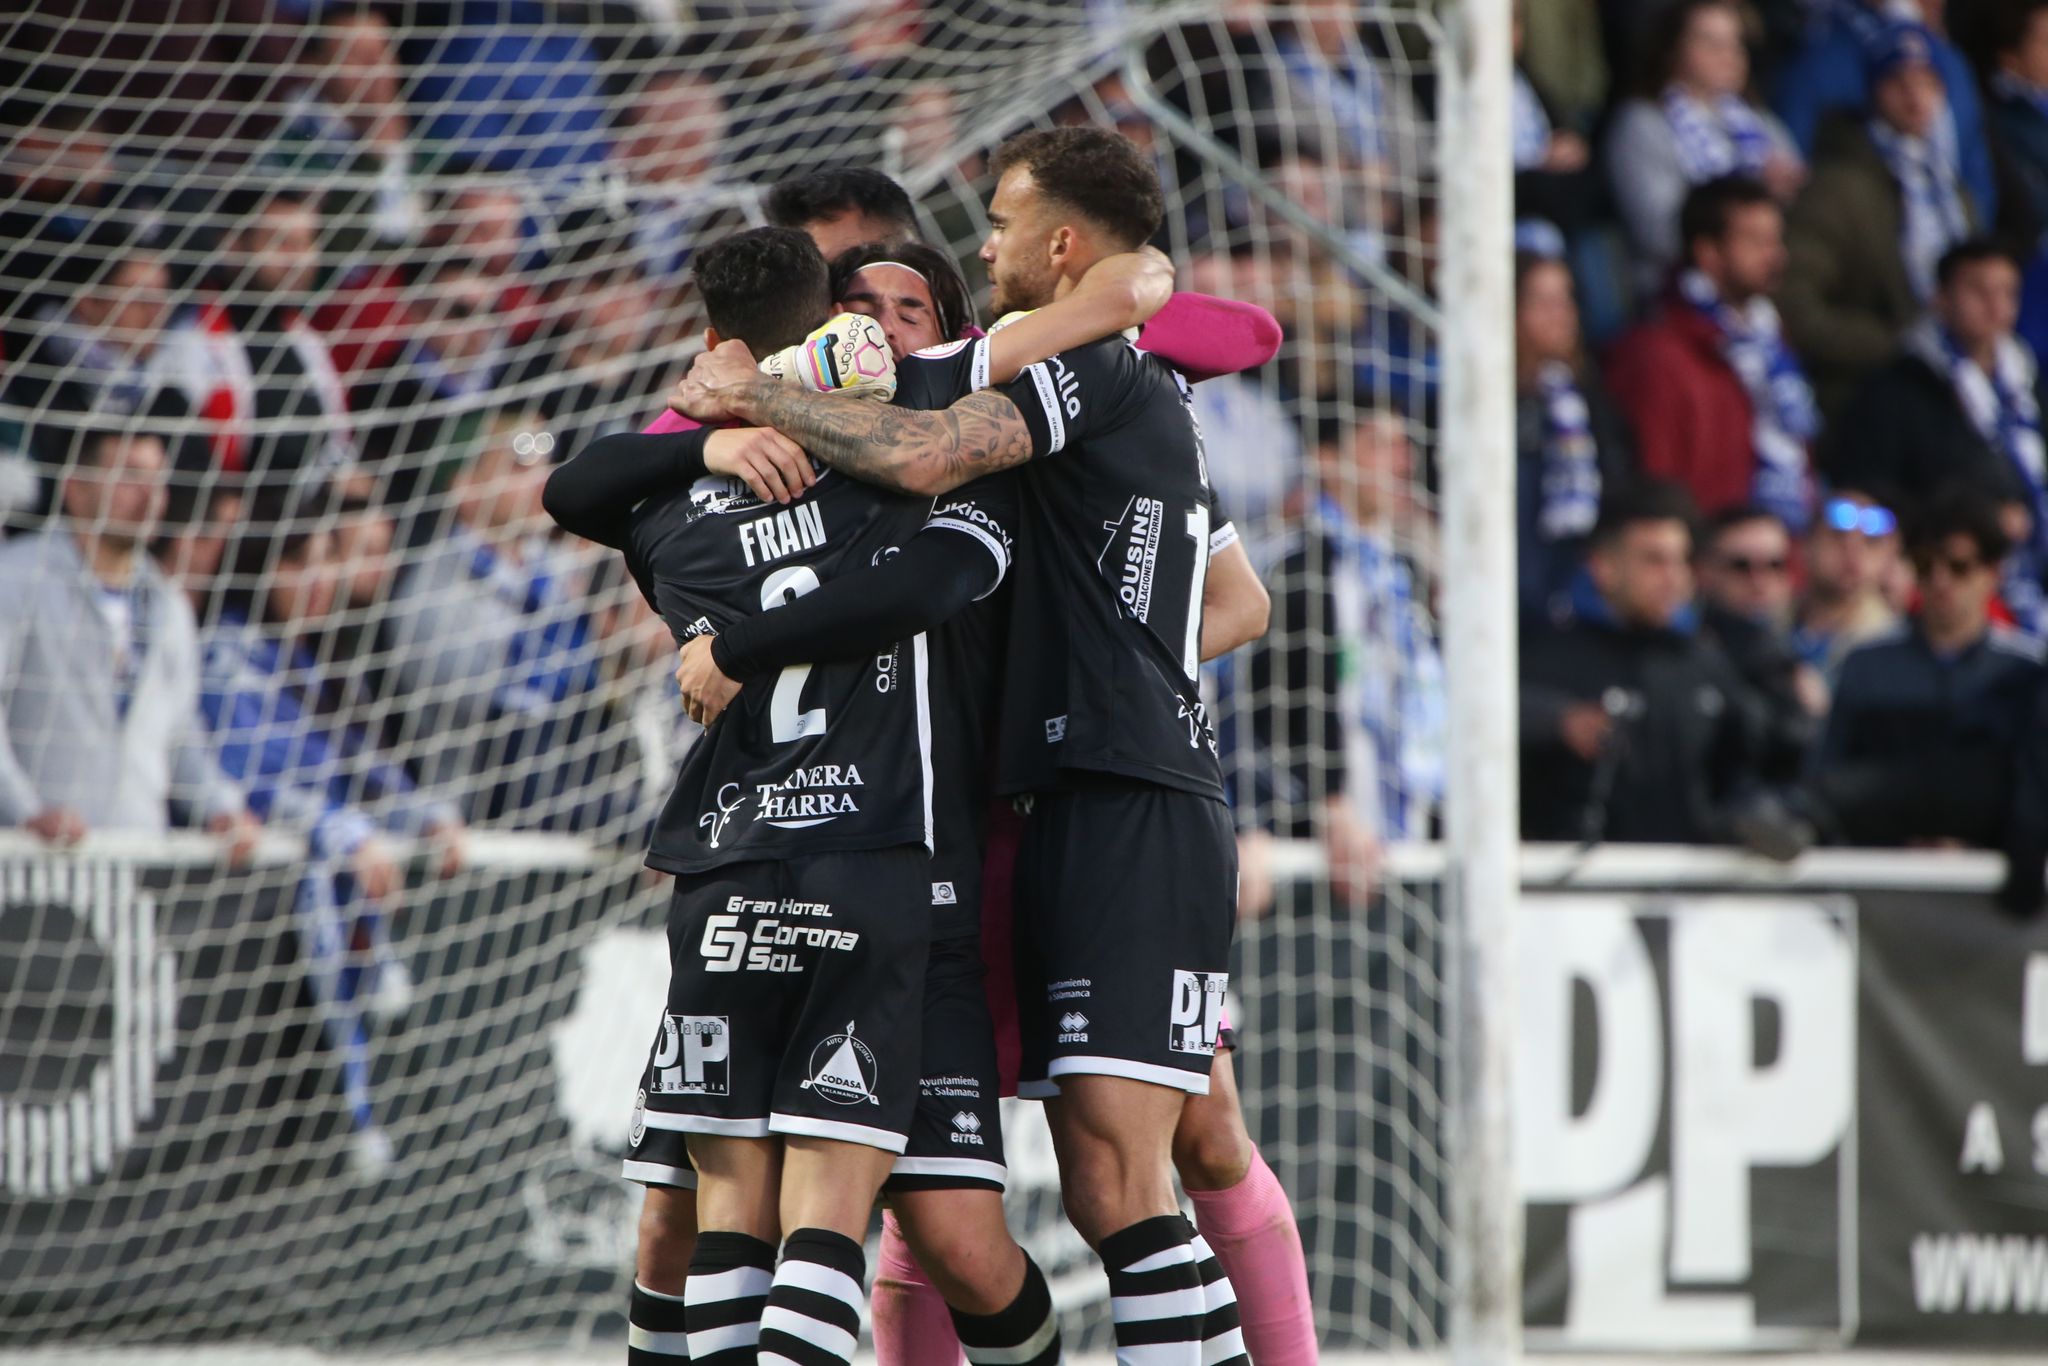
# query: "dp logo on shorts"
694, 1056
1197, 1011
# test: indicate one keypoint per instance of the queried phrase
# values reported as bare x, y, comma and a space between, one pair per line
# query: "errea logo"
1073, 1027
967, 1129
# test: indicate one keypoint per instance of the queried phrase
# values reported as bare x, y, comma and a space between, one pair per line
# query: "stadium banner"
1783, 1119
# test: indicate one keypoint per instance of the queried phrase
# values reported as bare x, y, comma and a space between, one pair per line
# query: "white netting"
364, 271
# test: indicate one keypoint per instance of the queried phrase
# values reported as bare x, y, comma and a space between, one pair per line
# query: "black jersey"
832, 756
1116, 533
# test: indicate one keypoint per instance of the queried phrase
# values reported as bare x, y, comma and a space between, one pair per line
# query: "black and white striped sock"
1222, 1339
654, 1329
724, 1298
1156, 1303
813, 1314
1026, 1333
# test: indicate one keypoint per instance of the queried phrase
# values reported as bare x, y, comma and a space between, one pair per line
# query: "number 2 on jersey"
785, 721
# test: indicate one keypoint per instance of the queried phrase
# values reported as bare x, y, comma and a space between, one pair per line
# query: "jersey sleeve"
940, 376
985, 510
1222, 531
1071, 395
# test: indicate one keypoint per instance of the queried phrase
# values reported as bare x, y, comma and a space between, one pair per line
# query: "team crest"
639, 1120
843, 1070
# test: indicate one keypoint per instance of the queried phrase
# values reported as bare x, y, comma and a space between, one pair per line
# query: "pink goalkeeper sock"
912, 1325
1251, 1229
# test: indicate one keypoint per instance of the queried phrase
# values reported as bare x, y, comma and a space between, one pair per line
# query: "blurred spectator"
311, 774
670, 141
1565, 58
1830, 73
1961, 405
1920, 742
1745, 576
99, 663
1355, 739
1254, 449
456, 352
1327, 69
2019, 95
510, 86
1865, 239
57, 184
201, 523
595, 369
1852, 550
1570, 443
842, 208
350, 114
1551, 158
280, 398
1717, 399
489, 634
1693, 124
1634, 727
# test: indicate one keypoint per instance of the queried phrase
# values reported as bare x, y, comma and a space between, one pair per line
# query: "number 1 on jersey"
1198, 531
785, 721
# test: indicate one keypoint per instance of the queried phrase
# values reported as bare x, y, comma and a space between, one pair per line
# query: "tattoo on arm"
878, 443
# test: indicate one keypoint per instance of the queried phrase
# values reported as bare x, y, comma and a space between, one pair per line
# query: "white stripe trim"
1149, 1354
667, 1344
707, 1124
1231, 1344
839, 1129
1167, 1304
659, 1174
1171, 1256
990, 543
1019, 1355
1222, 538
734, 1283
824, 1280
979, 1168
920, 663
826, 1336
1045, 1088
1049, 400
980, 365
1194, 1083
656, 1294
707, 1341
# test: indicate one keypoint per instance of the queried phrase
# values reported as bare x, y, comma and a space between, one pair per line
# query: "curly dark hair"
951, 300
805, 199
1098, 173
766, 286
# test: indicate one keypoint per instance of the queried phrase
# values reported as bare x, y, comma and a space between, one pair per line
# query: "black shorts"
1126, 897
956, 1138
794, 1006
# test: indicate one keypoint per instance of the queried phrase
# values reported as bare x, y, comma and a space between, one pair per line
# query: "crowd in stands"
275, 418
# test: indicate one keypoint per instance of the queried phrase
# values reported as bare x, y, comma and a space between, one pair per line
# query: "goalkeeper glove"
848, 355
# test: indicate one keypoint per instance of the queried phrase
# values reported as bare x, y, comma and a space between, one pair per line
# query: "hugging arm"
916, 453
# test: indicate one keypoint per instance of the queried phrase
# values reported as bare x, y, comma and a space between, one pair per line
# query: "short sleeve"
1066, 397
940, 376
1222, 531
985, 510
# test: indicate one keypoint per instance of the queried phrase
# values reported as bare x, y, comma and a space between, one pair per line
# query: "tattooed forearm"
911, 452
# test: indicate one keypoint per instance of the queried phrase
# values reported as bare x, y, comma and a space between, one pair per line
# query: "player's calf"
1000, 1306
656, 1327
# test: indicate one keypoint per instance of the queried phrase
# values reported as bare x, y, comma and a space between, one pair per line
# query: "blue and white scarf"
1933, 218
1531, 125
1570, 499
1785, 417
1353, 99
1721, 138
2002, 407
2012, 87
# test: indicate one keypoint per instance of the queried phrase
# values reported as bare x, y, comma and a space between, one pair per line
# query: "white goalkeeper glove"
848, 355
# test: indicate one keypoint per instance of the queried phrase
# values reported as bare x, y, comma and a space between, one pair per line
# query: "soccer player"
1125, 889
1241, 1211
843, 207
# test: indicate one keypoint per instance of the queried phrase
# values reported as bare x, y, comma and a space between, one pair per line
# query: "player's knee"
1211, 1149
668, 1235
973, 1261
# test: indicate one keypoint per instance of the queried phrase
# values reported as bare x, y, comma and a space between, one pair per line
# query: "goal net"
304, 299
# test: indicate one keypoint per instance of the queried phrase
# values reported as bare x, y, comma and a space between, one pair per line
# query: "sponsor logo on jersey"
730, 799
953, 1088
1073, 1027
885, 672
716, 493
773, 944
1055, 729
967, 1128
969, 511
700, 627
1135, 566
1069, 385
809, 796
843, 1070
1196, 715
786, 532
1197, 1017
693, 1057
944, 895
1069, 989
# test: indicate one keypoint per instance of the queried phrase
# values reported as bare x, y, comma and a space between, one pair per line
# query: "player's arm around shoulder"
1118, 292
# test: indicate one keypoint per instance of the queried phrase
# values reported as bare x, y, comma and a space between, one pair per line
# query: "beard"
1014, 293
